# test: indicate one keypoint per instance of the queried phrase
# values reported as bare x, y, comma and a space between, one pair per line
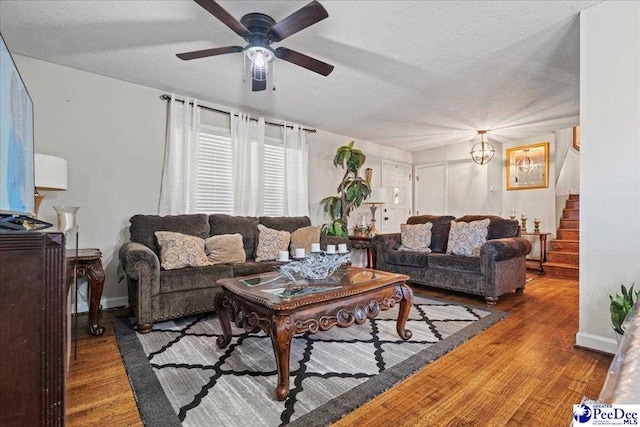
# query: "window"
215, 173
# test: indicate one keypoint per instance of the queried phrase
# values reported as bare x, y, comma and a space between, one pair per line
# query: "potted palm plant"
352, 190
621, 306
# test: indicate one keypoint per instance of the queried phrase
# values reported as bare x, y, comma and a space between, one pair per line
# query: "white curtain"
179, 174
296, 172
247, 137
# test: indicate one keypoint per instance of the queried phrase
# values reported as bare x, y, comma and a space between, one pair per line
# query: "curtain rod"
166, 97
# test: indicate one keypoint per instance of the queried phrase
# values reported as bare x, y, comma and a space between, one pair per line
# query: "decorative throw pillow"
303, 237
465, 238
225, 249
271, 242
415, 237
179, 250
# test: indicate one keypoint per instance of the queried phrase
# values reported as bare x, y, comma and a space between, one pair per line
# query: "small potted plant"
621, 306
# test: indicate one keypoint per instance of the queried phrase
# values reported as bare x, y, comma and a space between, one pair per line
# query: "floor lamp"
375, 198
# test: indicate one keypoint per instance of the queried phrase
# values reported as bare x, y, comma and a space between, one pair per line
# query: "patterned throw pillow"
225, 249
465, 238
303, 238
179, 250
416, 237
271, 242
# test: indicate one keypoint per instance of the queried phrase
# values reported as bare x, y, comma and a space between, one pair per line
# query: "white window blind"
215, 171
273, 178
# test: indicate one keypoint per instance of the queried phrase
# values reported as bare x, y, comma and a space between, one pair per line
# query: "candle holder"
536, 225
513, 213
524, 224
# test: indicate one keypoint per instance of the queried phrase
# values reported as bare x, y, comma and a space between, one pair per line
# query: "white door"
396, 180
431, 189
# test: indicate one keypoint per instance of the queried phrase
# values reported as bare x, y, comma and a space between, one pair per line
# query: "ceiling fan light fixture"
482, 152
259, 59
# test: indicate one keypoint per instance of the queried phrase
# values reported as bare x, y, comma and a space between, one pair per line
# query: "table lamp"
50, 175
375, 198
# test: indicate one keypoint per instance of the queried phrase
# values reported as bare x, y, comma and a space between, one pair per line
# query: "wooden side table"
89, 265
543, 249
364, 242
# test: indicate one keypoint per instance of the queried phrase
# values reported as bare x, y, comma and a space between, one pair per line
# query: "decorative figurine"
536, 225
523, 219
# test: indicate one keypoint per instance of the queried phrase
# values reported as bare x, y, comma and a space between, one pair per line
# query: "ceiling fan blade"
209, 52
303, 18
227, 19
304, 61
258, 85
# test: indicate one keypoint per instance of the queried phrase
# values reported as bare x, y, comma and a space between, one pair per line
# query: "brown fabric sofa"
500, 268
156, 294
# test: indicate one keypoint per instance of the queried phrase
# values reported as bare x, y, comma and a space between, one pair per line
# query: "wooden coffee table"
280, 308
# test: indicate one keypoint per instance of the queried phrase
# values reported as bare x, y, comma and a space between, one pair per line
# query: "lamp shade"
377, 195
50, 172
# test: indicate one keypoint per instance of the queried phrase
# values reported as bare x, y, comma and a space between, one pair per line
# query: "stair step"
565, 245
573, 224
574, 197
561, 271
572, 204
572, 258
567, 234
571, 214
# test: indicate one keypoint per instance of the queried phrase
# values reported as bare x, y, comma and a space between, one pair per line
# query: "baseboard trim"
596, 342
114, 302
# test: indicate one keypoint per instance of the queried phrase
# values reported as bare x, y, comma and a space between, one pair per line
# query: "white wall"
469, 185
610, 163
112, 135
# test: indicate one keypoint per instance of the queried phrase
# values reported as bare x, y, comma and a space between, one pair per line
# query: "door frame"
446, 184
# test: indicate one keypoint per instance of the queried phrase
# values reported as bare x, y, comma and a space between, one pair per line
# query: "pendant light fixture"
525, 164
482, 152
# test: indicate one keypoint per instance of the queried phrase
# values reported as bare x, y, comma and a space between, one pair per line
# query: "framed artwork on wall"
528, 167
576, 138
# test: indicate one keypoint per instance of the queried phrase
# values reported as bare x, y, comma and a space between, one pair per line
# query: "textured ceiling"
410, 75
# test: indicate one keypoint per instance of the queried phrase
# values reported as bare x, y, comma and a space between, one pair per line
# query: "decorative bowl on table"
315, 266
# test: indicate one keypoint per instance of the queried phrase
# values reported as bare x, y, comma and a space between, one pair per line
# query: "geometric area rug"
180, 377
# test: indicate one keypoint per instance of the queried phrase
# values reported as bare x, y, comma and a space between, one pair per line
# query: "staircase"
563, 259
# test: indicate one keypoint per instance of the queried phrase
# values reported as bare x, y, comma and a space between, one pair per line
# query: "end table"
89, 265
543, 249
364, 242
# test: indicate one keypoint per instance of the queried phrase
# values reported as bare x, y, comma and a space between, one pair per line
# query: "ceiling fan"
260, 30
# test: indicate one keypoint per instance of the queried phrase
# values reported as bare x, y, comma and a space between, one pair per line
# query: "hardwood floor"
523, 371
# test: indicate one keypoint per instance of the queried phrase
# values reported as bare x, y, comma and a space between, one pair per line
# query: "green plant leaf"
351, 144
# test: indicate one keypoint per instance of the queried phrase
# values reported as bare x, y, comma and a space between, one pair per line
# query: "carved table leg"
281, 334
221, 305
95, 274
403, 314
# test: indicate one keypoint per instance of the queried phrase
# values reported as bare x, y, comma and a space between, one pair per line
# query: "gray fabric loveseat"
156, 294
499, 269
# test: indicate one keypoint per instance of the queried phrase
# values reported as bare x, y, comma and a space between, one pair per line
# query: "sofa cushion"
285, 223
415, 237
439, 231
271, 242
411, 258
466, 238
143, 227
225, 249
179, 250
498, 227
251, 267
302, 238
247, 226
187, 279
455, 262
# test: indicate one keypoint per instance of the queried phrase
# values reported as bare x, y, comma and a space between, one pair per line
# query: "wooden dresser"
34, 289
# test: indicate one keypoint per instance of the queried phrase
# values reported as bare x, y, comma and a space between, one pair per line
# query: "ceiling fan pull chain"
273, 75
